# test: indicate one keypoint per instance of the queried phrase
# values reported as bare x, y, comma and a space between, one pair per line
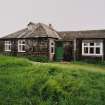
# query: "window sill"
92, 55
7, 50
21, 51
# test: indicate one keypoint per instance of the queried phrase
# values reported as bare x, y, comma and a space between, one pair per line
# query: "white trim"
8, 46
20, 45
52, 45
51, 54
86, 44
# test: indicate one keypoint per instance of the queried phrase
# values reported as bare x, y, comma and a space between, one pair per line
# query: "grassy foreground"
26, 83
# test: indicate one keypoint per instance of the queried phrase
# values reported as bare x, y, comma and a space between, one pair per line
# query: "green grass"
23, 82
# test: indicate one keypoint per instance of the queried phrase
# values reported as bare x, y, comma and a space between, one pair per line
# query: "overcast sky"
63, 14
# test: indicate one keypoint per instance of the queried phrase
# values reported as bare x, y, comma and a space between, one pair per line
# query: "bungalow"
42, 40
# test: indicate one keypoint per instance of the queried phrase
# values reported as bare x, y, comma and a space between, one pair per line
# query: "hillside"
25, 83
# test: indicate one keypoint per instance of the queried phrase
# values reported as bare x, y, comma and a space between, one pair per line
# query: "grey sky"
63, 14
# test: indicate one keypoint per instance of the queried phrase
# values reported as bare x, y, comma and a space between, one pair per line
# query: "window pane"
23, 48
21, 45
97, 50
52, 50
92, 50
85, 44
23, 42
85, 49
9, 47
98, 43
92, 44
19, 48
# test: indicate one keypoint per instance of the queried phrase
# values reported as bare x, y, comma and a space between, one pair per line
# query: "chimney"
50, 26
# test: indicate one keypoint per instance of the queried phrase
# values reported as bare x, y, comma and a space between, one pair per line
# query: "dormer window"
7, 45
21, 46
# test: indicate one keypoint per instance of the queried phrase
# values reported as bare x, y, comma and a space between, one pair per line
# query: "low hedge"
38, 58
90, 61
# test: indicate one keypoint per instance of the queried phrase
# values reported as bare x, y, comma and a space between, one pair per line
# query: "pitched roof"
70, 35
34, 31
41, 30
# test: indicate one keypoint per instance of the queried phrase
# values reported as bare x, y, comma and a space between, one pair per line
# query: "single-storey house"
43, 40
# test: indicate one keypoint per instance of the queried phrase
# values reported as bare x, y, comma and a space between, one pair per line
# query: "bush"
39, 58
92, 61
11, 62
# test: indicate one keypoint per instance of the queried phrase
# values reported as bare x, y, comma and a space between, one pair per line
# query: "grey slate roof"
41, 30
34, 31
70, 35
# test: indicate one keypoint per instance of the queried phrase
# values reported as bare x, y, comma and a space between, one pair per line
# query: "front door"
68, 51
59, 51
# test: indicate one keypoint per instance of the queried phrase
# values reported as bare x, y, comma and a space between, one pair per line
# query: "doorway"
68, 51
59, 51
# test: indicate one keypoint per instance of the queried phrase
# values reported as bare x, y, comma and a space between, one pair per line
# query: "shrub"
38, 58
91, 61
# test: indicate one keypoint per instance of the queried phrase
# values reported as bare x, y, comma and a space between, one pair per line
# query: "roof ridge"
84, 30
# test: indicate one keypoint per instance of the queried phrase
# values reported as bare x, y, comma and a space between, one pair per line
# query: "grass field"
23, 82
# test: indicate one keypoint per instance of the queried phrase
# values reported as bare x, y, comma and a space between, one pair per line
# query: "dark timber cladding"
43, 40
36, 38
78, 36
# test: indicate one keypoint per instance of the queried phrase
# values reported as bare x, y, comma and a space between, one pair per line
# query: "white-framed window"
7, 45
21, 46
92, 47
52, 47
